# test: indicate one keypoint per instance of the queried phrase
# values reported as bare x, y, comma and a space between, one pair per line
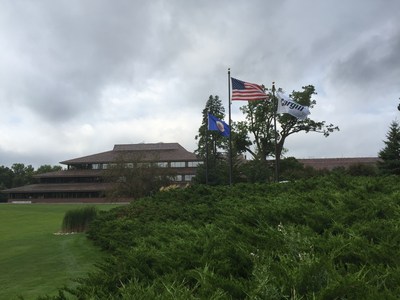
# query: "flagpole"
230, 126
207, 150
275, 133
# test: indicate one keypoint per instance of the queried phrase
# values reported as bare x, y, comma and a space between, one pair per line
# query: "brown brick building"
83, 180
331, 163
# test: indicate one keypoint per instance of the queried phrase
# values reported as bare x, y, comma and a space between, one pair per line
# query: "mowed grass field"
33, 260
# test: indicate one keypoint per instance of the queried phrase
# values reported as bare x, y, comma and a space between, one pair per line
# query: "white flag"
288, 106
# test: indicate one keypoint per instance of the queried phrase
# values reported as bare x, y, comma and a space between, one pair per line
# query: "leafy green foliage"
47, 168
19, 175
132, 176
259, 123
22, 174
6, 180
257, 132
362, 170
328, 237
78, 219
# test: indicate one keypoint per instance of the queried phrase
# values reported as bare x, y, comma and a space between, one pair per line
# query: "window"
143, 164
178, 164
162, 164
194, 163
178, 178
121, 179
189, 177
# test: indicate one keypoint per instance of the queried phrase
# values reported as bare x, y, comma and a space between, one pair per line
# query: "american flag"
247, 91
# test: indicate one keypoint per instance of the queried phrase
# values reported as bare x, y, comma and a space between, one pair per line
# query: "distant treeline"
19, 175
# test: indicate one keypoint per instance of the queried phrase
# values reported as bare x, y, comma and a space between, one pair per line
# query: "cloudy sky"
78, 76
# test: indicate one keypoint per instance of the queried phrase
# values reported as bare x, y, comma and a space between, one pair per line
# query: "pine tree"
390, 155
214, 143
215, 140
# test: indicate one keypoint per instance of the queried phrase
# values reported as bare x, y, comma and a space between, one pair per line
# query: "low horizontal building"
341, 162
83, 179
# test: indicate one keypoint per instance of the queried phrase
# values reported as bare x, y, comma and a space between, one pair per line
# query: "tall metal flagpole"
230, 127
207, 151
275, 133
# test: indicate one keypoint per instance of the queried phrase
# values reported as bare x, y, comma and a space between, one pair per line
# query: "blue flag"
216, 124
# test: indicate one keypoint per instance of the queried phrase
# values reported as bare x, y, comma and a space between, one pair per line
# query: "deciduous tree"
22, 174
47, 168
257, 133
134, 177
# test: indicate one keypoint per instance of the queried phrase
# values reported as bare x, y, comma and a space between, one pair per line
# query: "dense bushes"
330, 237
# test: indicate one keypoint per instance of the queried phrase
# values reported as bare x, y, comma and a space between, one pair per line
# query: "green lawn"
33, 260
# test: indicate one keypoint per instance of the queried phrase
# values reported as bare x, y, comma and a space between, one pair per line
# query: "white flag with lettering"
288, 106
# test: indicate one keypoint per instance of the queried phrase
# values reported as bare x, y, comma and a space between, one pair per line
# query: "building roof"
71, 173
133, 152
61, 187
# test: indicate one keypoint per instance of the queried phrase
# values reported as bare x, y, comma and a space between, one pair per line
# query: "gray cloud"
376, 61
70, 52
79, 75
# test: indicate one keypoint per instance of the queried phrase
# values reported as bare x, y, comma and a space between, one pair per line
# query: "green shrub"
330, 237
362, 170
78, 220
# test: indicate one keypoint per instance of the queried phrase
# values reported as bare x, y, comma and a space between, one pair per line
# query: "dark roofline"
61, 187
70, 173
146, 152
330, 163
148, 147
91, 157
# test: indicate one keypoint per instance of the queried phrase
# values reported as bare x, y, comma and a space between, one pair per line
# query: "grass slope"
333, 237
34, 261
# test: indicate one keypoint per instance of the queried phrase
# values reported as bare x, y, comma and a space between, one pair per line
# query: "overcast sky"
78, 76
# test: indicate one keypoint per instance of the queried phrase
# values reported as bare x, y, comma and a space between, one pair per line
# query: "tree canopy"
19, 174
256, 135
212, 147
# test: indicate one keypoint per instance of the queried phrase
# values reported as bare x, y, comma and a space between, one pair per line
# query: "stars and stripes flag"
246, 91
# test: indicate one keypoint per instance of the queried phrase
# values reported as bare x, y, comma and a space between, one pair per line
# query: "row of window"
176, 178
70, 180
172, 164
184, 177
57, 195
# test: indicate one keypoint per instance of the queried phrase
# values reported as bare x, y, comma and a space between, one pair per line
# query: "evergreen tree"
212, 146
390, 154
